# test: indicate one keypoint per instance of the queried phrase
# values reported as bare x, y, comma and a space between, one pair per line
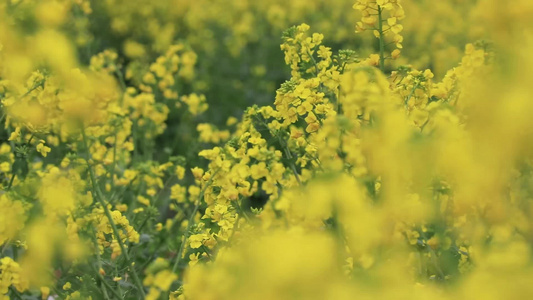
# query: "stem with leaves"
381, 40
100, 198
191, 221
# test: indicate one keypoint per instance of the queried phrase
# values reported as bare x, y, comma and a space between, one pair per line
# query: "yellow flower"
193, 259
395, 54
164, 279
15, 134
10, 275
196, 240
5, 167
41, 148
180, 172
45, 291
143, 200
178, 193
197, 173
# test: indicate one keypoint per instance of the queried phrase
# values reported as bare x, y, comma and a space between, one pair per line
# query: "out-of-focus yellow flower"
41, 148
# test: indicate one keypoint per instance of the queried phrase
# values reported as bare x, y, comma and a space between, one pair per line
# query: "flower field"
243, 149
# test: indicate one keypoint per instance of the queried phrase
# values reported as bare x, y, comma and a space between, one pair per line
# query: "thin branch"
100, 198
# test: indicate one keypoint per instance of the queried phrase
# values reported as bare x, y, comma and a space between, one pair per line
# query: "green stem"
114, 164
31, 138
285, 146
381, 40
110, 287
15, 252
135, 141
157, 197
121, 101
33, 88
104, 282
122, 83
4, 247
434, 259
241, 210
11, 181
411, 94
338, 102
191, 221
16, 293
206, 250
100, 198
314, 61
289, 157
104, 289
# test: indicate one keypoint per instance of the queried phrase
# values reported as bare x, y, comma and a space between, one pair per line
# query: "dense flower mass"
303, 149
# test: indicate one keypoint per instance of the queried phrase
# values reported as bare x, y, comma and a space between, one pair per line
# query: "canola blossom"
302, 149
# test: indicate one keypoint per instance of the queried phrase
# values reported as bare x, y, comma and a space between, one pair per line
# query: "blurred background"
233, 46
238, 42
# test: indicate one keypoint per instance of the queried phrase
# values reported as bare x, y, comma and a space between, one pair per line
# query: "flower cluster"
10, 275
382, 17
